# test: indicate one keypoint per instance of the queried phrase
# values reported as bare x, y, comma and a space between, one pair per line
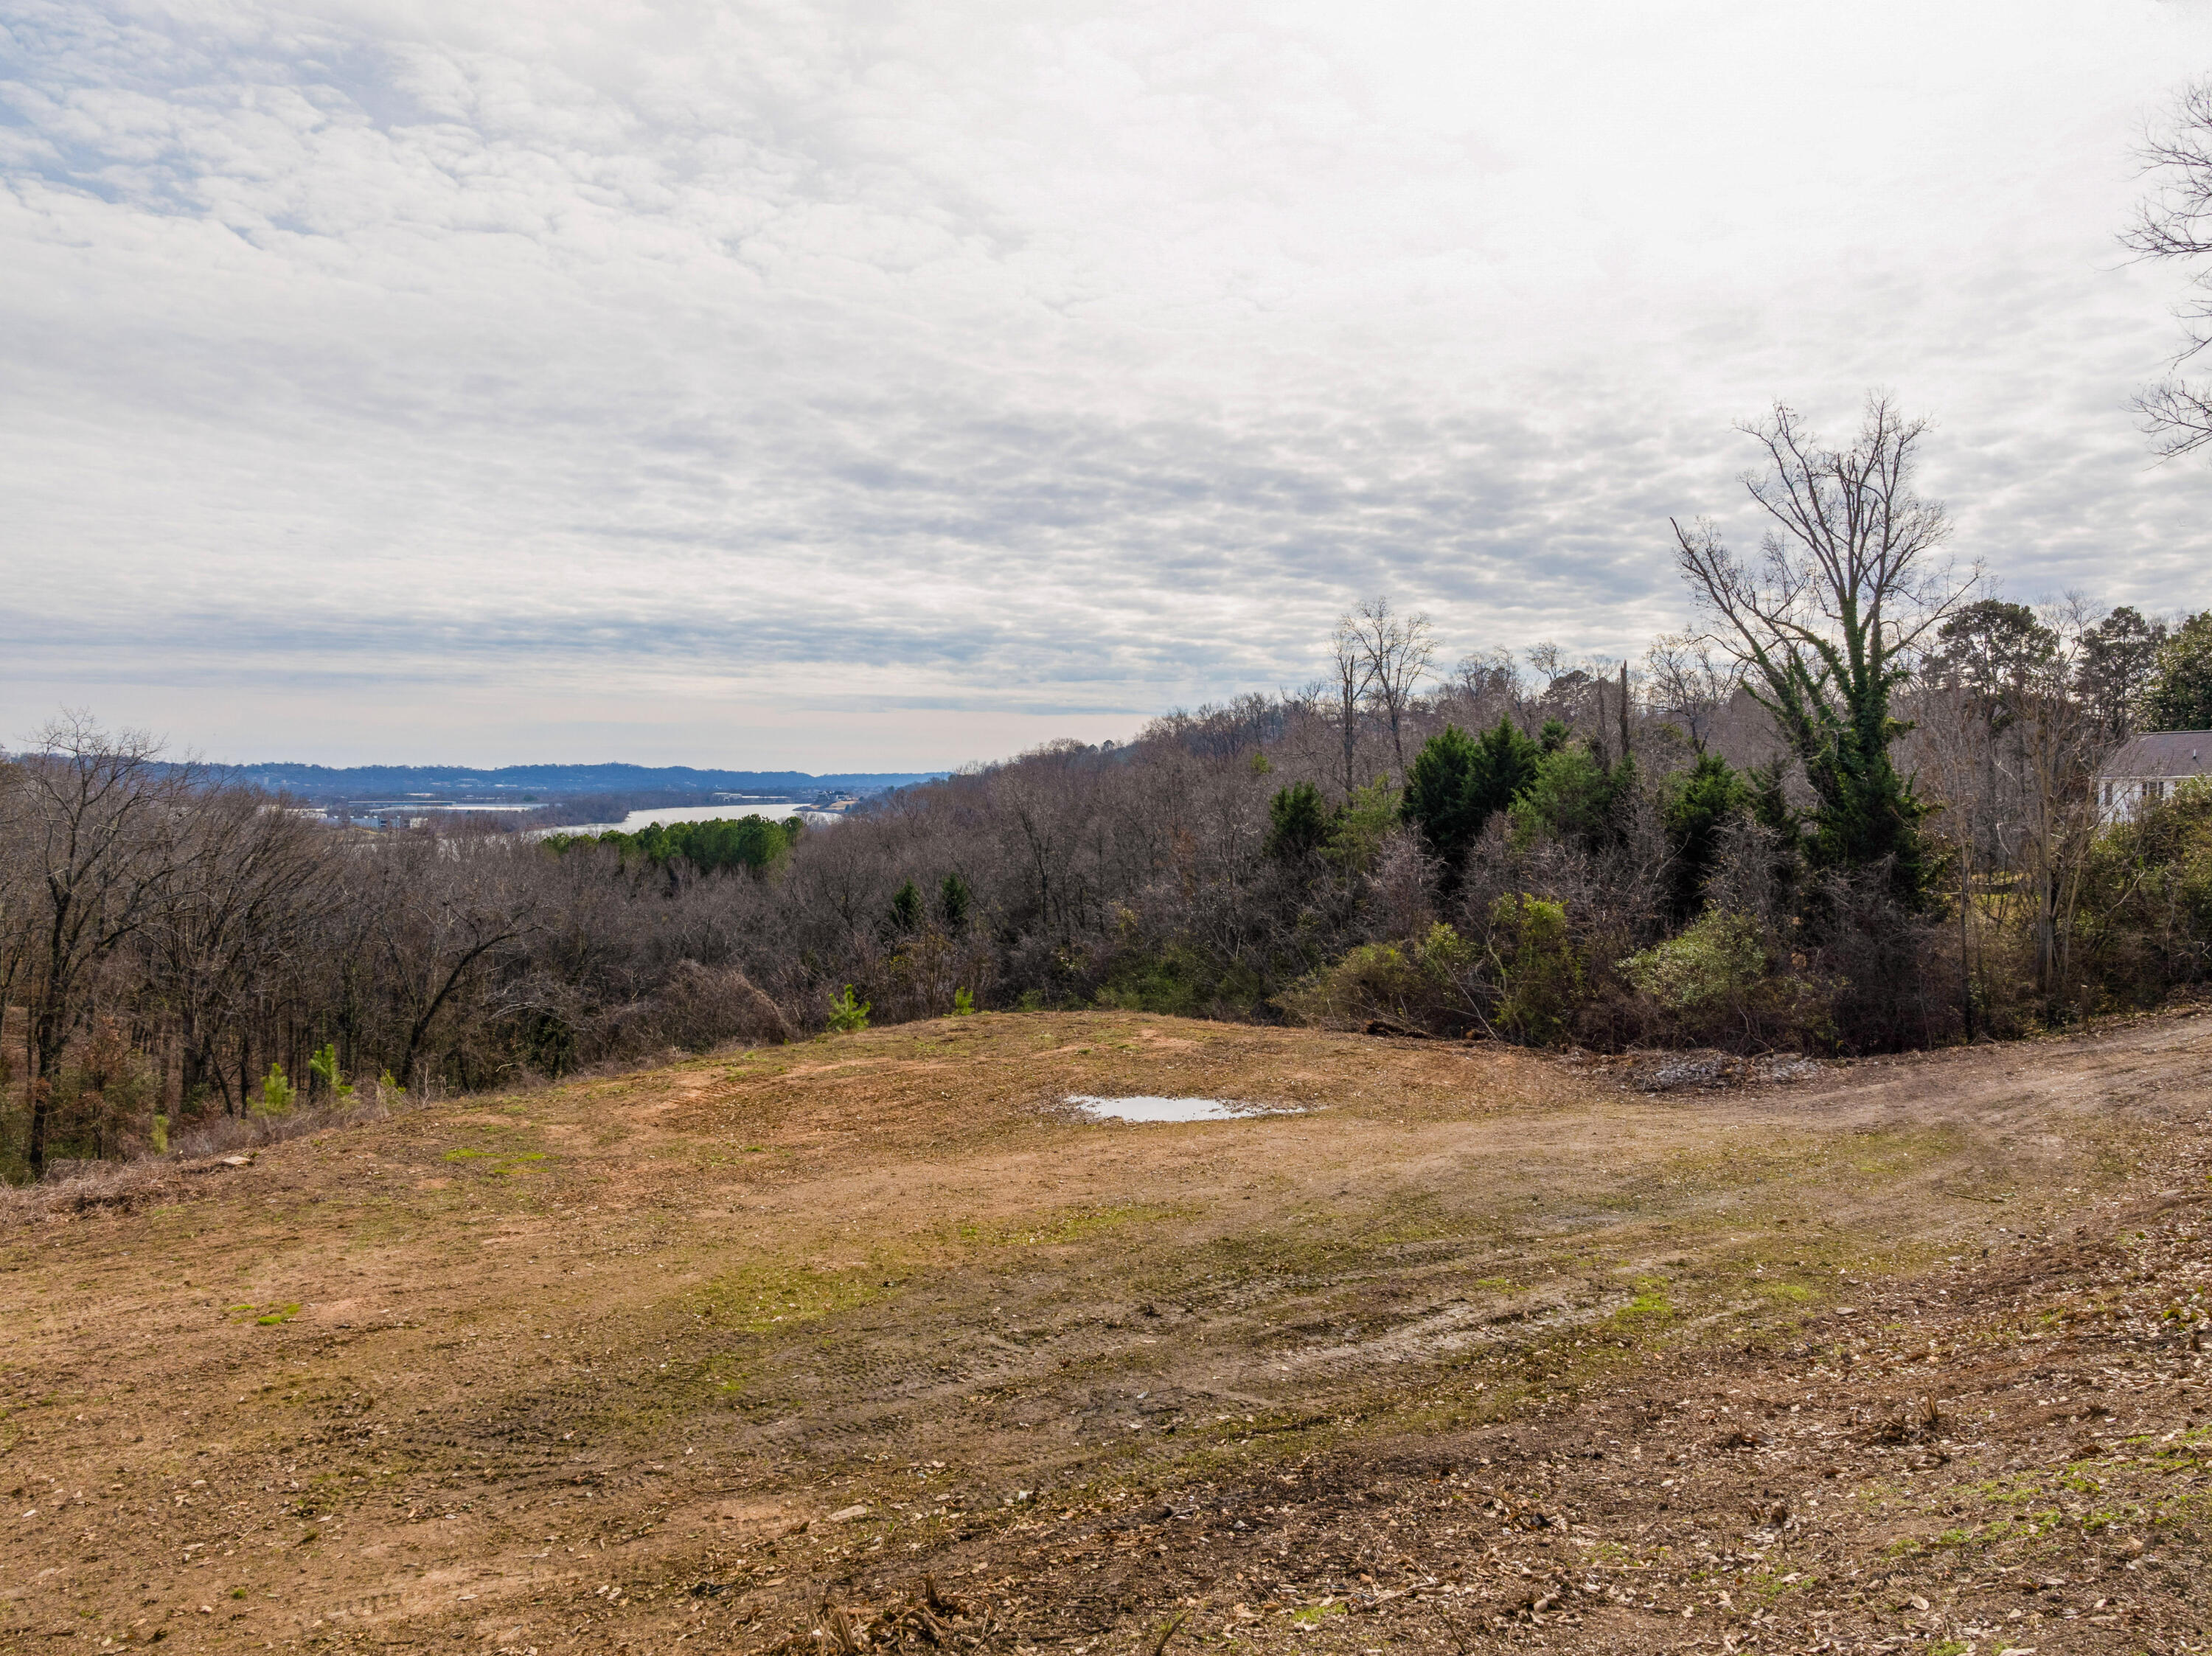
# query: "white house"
2146, 769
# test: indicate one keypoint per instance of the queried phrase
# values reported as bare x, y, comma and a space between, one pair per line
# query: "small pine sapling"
848, 1013
277, 1092
324, 1066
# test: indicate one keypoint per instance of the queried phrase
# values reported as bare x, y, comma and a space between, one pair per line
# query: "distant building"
2147, 768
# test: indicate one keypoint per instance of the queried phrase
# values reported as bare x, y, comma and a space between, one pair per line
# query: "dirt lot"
1481, 1351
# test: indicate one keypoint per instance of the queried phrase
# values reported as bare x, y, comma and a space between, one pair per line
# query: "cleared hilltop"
871, 1337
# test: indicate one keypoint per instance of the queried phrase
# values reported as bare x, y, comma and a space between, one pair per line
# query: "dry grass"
863, 1337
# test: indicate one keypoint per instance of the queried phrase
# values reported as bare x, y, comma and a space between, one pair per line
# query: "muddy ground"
868, 1343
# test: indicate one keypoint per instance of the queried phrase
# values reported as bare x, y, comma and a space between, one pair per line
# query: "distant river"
778, 809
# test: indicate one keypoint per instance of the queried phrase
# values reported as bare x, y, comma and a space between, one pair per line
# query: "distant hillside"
556, 781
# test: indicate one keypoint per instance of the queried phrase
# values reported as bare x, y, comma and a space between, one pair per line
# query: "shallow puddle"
1149, 1107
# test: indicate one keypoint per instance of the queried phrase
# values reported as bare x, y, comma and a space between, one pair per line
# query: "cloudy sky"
886, 385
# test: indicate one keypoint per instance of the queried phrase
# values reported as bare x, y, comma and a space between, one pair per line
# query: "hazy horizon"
851, 389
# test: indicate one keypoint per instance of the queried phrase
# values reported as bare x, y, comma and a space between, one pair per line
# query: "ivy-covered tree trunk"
1843, 588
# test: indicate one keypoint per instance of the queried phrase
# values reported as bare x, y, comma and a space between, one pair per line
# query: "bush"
1716, 985
1540, 972
1424, 983
1721, 957
2144, 925
704, 1006
1363, 825
104, 1100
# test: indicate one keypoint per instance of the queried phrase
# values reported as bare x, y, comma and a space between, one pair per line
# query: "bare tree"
1349, 689
2176, 223
93, 808
1484, 687
1846, 584
16, 878
1395, 651
1486, 676
443, 908
244, 891
2059, 746
1691, 682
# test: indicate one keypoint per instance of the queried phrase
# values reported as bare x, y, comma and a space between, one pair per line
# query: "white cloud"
808, 384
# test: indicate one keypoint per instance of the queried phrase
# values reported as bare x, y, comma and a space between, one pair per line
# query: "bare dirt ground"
869, 1343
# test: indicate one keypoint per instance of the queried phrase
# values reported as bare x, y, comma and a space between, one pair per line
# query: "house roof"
2163, 752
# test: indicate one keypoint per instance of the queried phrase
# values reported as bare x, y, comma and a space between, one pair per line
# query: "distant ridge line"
284, 776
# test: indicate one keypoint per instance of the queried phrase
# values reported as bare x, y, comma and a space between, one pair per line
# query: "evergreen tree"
2119, 656
1990, 649
1456, 783
1700, 802
2181, 695
954, 900
1298, 823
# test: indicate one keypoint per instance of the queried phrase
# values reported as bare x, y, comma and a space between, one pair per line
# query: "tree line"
1855, 810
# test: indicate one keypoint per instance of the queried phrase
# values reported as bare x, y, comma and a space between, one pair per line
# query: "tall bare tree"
1348, 690
2175, 223
1395, 651
1847, 581
94, 810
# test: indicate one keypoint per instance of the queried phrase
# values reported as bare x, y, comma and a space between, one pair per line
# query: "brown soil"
867, 1344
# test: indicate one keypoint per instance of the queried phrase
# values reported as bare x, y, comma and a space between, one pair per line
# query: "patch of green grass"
505, 1164
763, 1298
1649, 1308
265, 1316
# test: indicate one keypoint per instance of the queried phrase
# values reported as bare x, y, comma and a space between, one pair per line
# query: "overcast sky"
887, 386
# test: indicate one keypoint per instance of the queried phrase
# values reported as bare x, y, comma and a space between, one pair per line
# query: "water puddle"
1147, 1107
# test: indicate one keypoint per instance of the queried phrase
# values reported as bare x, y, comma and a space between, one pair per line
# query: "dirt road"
1460, 1348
